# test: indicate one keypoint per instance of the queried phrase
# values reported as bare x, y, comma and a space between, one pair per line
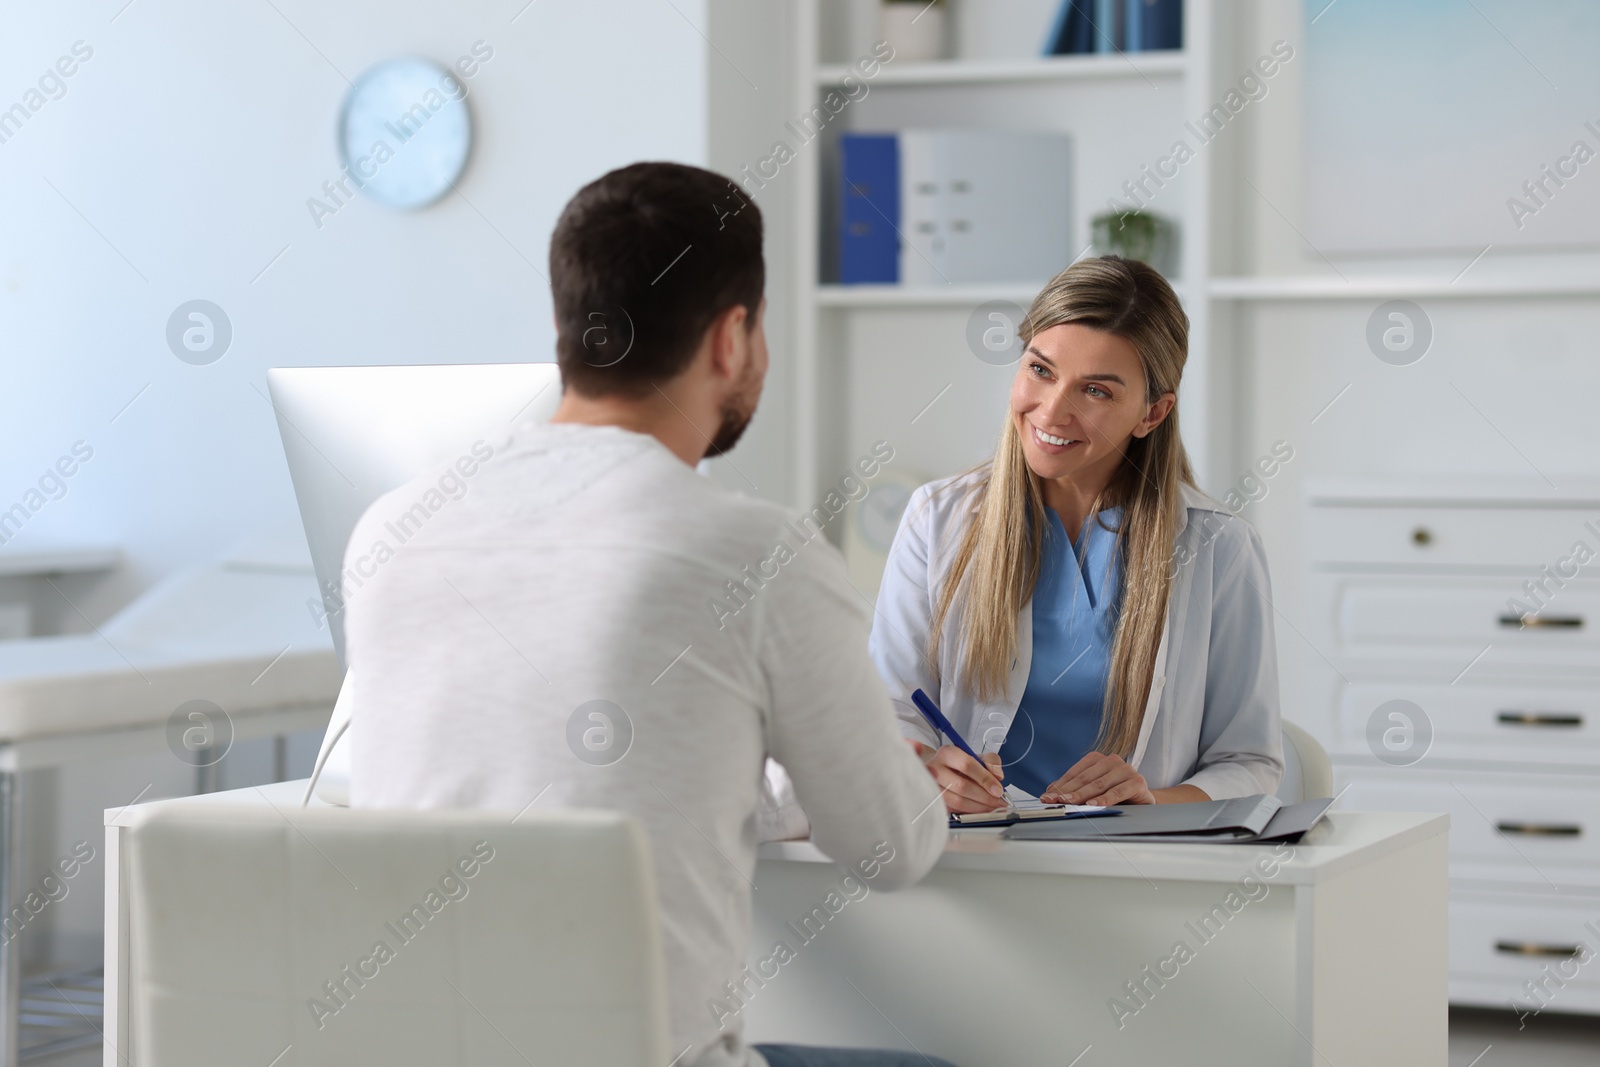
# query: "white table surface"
241, 637
58, 559
1342, 841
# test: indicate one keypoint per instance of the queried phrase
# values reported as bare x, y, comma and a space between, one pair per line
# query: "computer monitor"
352, 434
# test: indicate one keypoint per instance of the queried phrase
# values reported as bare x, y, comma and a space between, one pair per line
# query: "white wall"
184, 151
750, 75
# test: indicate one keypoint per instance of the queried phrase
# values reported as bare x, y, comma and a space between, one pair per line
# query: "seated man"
582, 628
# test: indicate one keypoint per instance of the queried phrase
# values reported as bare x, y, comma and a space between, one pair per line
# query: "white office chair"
1307, 773
358, 937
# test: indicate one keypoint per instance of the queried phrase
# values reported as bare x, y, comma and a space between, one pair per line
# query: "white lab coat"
1212, 716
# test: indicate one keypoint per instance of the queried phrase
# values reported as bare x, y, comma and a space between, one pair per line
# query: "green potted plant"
1138, 235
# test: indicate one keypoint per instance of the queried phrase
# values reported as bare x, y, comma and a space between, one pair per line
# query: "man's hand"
1099, 779
966, 784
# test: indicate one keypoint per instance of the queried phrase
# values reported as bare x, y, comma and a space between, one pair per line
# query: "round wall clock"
406, 132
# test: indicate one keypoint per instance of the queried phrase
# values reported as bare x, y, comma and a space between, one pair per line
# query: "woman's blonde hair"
997, 563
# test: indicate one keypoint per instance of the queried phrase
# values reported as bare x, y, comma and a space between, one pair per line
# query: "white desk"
237, 635
21, 571
1009, 953
58, 559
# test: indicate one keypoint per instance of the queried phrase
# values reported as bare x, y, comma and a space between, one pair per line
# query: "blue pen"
931, 712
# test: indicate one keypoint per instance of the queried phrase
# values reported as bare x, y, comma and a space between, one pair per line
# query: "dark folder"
1242, 819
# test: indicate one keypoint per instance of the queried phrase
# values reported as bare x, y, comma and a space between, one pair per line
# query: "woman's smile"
1052, 444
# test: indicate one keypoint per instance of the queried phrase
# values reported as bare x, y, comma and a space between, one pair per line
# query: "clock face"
405, 132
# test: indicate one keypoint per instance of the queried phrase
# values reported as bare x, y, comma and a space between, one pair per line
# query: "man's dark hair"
642, 261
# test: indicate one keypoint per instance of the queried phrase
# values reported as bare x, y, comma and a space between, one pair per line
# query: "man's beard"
736, 415
734, 420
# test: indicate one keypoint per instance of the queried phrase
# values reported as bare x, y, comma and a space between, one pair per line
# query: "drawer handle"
1539, 718
1542, 622
1540, 829
1531, 948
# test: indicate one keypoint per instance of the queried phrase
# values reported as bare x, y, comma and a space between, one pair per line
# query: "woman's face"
1078, 399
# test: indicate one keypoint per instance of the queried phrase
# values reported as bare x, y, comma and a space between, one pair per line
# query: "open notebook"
1022, 806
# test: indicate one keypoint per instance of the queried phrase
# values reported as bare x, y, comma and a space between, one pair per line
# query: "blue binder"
869, 216
1085, 26
1074, 30
1154, 25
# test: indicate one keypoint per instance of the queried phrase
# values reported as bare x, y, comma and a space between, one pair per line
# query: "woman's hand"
1099, 778
966, 784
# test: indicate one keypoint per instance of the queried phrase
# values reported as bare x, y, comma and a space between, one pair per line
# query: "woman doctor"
1098, 629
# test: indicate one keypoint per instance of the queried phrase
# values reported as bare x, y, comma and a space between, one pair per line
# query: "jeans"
807, 1056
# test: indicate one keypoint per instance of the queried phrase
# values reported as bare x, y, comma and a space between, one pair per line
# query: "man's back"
564, 634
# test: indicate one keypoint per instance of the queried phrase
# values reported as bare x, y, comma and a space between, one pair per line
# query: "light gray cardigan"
1212, 716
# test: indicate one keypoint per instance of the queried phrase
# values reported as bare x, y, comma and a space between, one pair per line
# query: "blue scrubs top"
1074, 623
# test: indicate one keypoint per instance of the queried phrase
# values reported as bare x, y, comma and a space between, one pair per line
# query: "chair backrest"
1307, 772
354, 937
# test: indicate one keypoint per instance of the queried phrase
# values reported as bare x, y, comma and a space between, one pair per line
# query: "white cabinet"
1505, 946
1529, 722
1463, 637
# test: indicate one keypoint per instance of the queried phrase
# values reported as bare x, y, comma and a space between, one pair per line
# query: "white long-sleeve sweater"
581, 564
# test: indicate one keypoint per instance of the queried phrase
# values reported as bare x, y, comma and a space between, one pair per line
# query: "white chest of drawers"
1455, 632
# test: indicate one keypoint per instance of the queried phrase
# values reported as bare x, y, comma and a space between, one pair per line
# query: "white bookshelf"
1044, 68
1359, 287
892, 296
869, 357
961, 296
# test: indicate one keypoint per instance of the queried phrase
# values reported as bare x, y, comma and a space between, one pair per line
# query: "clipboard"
1011, 816
1024, 807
